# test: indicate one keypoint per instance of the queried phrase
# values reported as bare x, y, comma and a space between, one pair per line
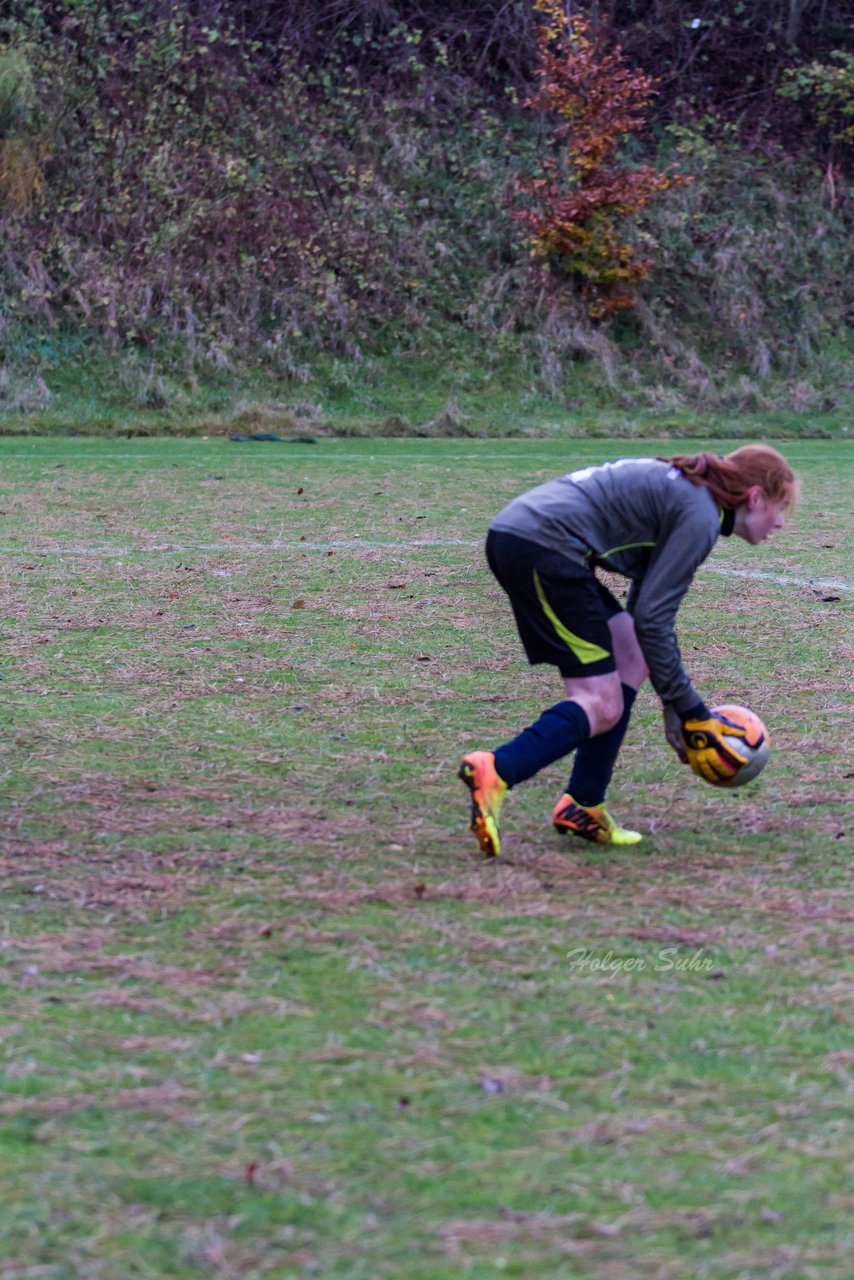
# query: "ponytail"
729, 479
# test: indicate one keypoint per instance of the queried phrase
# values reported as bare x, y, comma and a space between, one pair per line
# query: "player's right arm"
655, 600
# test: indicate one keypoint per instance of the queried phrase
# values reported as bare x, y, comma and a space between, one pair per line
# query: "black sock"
595, 759
555, 734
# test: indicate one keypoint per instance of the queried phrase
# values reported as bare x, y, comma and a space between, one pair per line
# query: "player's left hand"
708, 752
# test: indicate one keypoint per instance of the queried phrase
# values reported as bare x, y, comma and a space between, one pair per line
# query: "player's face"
758, 517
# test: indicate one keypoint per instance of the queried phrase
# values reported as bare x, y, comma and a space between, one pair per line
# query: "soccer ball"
754, 745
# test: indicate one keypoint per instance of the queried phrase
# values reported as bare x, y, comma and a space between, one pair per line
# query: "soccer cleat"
591, 822
487, 794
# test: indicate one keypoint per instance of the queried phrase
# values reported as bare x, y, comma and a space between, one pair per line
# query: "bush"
180, 192
581, 200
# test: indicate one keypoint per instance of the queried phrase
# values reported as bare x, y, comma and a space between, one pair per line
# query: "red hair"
729, 479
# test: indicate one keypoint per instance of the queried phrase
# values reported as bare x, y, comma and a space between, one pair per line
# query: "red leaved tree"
576, 204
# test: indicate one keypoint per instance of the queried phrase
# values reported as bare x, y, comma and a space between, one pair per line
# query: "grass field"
267, 1014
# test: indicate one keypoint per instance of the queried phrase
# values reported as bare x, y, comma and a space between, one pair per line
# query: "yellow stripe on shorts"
584, 650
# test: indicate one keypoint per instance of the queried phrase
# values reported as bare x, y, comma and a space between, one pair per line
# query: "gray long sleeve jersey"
641, 518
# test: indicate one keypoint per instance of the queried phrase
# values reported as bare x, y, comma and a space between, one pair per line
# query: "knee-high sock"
557, 732
595, 759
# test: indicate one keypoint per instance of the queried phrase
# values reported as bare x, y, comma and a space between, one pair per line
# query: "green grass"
466, 386
265, 1013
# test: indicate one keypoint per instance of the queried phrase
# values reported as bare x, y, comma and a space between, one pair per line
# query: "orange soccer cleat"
591, 822
487, 794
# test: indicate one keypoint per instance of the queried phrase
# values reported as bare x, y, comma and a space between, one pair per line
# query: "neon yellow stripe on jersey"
627, 546
584, 650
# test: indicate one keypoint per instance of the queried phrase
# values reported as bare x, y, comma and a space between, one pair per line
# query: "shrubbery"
171, 183
580, 201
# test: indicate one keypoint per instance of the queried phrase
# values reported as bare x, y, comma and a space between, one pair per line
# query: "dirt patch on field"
500, 884
45, 958
158, 1098
97, 805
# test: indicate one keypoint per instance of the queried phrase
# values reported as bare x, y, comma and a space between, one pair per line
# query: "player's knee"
605, 709
611, 713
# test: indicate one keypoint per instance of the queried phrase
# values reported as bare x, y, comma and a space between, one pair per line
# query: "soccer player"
654, 521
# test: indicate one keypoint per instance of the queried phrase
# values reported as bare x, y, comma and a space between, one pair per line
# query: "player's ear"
754, 494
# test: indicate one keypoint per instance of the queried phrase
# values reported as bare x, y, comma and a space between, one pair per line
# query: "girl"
654, 520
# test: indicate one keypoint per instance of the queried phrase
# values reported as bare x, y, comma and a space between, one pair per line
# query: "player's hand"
673, 732
708, 753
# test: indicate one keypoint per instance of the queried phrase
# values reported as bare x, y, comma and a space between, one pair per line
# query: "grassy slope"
471, 391
266, 1014
345, 237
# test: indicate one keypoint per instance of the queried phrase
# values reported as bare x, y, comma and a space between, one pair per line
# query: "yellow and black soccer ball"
755, 744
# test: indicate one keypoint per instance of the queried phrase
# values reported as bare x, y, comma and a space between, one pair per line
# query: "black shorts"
561, 607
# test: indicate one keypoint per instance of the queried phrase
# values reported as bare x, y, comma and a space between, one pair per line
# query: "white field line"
360, 544
783, 579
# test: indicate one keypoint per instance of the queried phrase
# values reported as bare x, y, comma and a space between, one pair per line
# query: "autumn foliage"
577, 204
